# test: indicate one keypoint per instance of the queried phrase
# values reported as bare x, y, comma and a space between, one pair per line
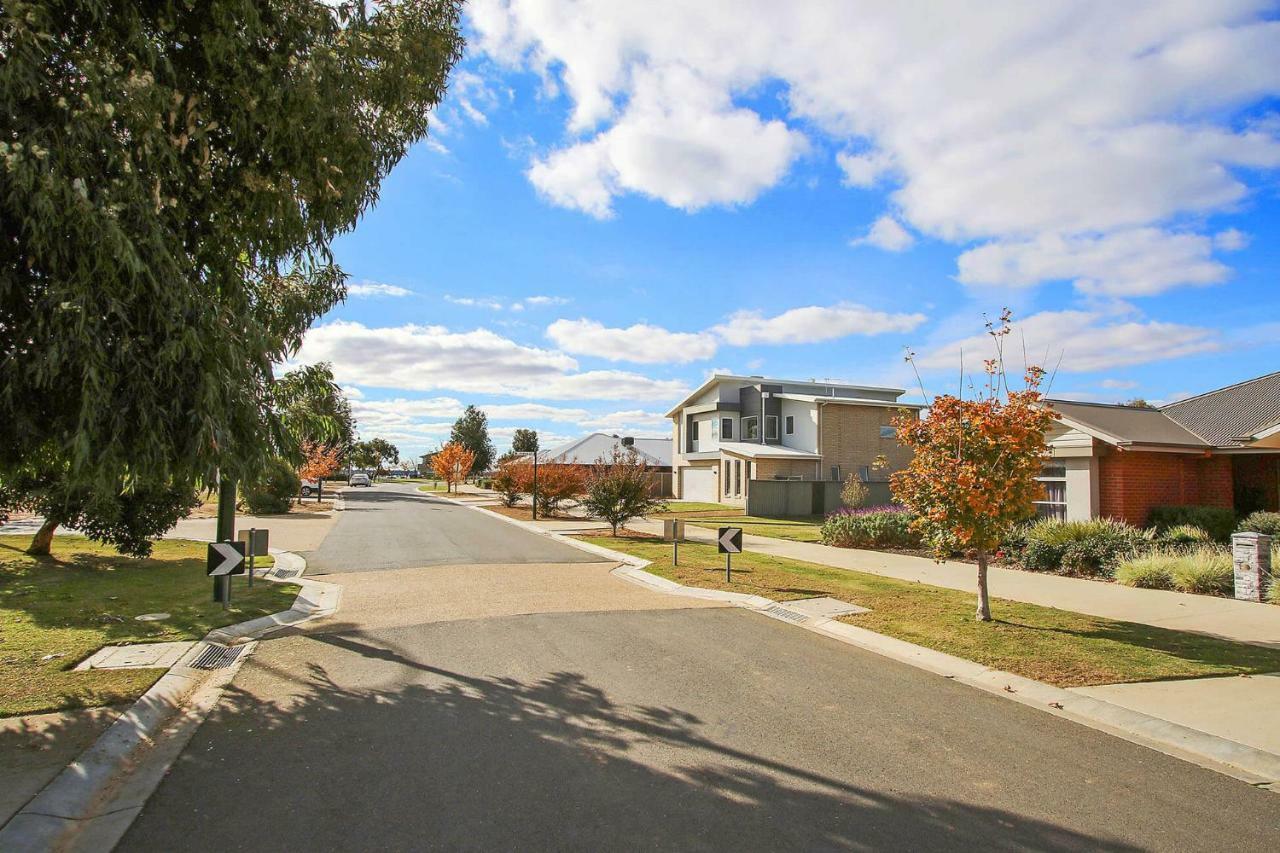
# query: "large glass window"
1054, 502
751, 429
771, 427
790, 425
726, 428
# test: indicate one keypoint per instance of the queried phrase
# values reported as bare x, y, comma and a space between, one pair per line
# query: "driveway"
394, 526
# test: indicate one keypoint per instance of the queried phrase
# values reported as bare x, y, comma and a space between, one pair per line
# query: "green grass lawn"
434, 486
56, 611
1054, 646
798, 529
684, 509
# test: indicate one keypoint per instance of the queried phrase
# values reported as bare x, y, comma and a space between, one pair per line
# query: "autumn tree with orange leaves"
973, 473
452, 463
320, 462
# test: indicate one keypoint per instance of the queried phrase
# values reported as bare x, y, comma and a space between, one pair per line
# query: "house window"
726, 428
887, 431
771, 427
789, 424
693, 431
714, 424
737, 477
835, 473
751, 429
727, 473
1054, 503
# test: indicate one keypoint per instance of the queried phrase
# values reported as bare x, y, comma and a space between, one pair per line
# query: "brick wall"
851, 439
1132, 482
1261, 475
767, 469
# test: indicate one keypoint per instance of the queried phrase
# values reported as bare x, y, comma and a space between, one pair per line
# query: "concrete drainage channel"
91, 803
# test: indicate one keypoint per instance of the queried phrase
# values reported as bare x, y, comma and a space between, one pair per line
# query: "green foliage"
173, 174
879, 527
1185, 534
472, 432
1092, 547
1218, 521
619, 489
271, 492
313, 408
524, 441
128, 519
1148, 571
1262, 522
1203, 569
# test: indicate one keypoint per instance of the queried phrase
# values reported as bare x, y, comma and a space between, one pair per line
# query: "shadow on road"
463, 761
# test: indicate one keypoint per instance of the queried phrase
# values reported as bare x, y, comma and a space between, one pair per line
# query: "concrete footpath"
1238, 708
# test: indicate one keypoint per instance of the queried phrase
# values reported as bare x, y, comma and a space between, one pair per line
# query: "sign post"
255, 545
729, 542
223, 560
673, 530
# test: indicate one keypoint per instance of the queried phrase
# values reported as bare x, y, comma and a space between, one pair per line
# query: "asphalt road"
394, 526
422, 718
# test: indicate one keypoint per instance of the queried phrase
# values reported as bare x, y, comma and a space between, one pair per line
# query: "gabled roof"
599, 445
1231, 416
1125, 424
751, 450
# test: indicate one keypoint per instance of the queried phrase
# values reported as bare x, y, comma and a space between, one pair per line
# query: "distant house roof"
751, 450
1125, 424
598, 445
1231, 416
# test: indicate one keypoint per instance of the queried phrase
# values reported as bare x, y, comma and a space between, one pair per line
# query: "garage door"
698, 484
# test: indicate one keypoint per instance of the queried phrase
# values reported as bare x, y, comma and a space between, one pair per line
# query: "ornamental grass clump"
1203, 569
1148, 571
1092, 548
871, 527
1262, 522
1186, 534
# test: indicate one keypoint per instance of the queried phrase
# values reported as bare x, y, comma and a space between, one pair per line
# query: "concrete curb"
92, 802
1249, 764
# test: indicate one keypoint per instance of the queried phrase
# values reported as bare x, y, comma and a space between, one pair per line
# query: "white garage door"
698, 484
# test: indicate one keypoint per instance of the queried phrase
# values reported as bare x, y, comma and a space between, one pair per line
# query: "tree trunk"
319, 489
43, 539
984, 603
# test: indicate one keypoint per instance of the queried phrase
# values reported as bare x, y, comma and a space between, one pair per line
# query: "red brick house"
1221, 448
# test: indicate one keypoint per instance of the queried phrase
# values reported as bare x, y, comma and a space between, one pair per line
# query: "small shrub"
870, 527
274, 490
1186, 534
507, 482
1092, 547
854, 493
1262, 522
1149, 571
1218, 521
1206, 571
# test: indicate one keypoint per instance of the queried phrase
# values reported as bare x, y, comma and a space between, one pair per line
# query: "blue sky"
612, 205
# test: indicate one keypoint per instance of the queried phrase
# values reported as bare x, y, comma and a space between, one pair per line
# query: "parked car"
310, 487
359, 478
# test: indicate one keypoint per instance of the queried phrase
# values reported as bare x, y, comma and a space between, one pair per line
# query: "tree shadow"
453, 760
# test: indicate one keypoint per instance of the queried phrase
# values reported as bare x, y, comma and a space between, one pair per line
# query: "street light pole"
535, 485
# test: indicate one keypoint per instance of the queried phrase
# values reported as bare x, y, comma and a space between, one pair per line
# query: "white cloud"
533, 412
631, 419
1119, 384
475, 302
546, 300
1080, 120
680, 141
812, 325
428, 358
640, 343
495, 304
1136, 262
366, 289
351, 392
1083, 340
888, 234
1230, 240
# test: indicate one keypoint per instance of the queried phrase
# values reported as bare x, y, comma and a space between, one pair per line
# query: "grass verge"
56, 611
434, 487
795, 529
685, 509
1054, 646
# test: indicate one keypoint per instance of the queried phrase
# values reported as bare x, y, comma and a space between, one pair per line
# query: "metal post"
535, 485
226, 533
728, 567
675, 552
252, 530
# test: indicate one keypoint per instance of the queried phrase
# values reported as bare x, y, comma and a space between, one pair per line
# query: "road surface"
533, 706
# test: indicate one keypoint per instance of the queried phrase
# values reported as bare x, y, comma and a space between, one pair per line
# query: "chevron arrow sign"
225, 558
730, 540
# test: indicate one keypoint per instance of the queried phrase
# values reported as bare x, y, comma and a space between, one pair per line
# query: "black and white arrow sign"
225, 558
730, 540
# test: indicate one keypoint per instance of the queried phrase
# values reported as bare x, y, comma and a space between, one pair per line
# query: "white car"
360, 478
310, 487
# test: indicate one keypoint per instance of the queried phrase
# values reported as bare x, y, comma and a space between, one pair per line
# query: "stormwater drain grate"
288, 573
783, 613
217, 657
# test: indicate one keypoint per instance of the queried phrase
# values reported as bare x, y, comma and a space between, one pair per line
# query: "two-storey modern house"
735, 429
